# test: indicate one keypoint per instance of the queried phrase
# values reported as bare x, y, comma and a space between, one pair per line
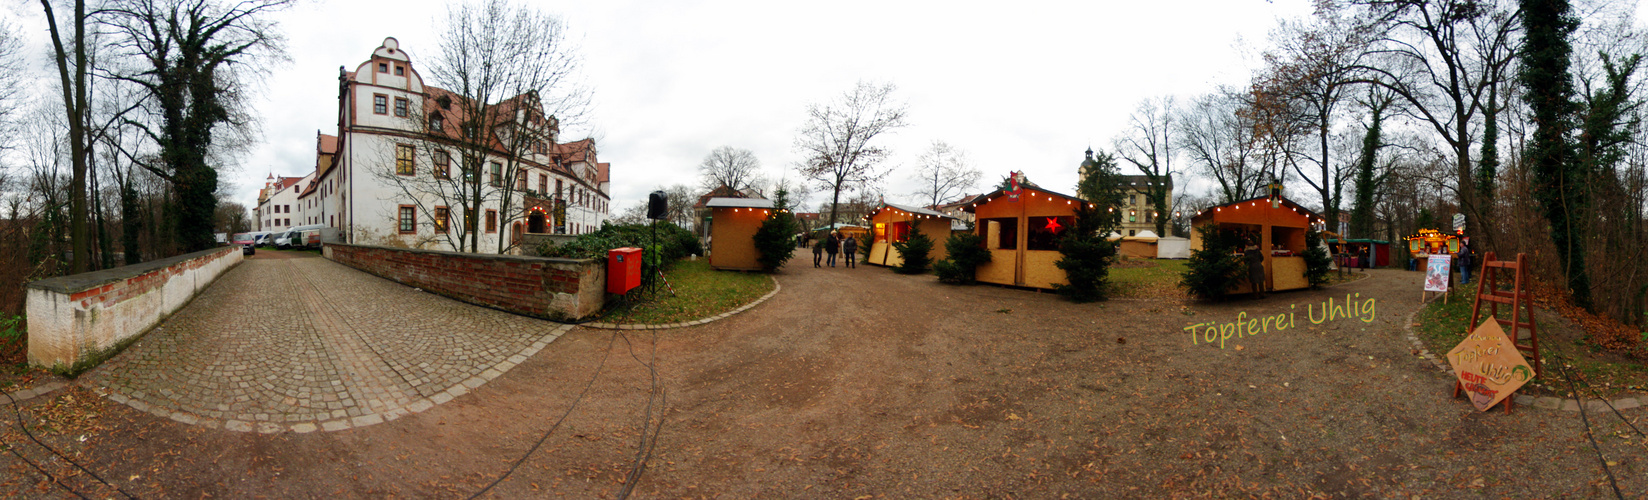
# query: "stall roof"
910, 209
1366, 240
1285, 202
991, 196
738, 203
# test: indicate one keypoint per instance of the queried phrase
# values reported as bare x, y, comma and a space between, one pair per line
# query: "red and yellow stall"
1022, 232
1428, 242
1278, 224
892, 223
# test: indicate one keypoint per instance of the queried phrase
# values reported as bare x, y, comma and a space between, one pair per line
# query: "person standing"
1255, 269
832, 246
818, 253
1467, 259
849, 249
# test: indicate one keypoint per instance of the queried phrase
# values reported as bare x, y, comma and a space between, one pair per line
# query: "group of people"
834, 244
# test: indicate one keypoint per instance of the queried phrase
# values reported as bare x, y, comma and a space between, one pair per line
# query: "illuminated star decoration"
1053, 225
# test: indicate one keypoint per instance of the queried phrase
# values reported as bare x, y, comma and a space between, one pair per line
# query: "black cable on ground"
1562, 366
643, 452
1610, 404
610, 343
25, 429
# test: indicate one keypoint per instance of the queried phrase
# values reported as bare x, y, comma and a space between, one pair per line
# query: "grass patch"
1147, 279
700, 292
1442, 326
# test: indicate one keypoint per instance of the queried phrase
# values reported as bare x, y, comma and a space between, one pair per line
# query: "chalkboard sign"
1488, 366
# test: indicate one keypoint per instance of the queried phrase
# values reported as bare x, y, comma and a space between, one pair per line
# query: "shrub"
1316, 259
1086, 258
916, 251
775, 240
864, 246
673, 243
1215, 268
966, 252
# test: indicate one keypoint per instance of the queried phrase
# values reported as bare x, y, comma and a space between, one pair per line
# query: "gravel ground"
859, 383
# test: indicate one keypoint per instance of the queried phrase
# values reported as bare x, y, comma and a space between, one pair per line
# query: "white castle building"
395, 173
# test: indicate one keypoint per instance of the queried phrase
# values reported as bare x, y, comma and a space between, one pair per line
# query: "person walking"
1255, 269
832, 246
818, 254
849, 249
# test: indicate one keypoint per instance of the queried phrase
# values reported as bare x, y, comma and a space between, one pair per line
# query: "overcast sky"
1026, 86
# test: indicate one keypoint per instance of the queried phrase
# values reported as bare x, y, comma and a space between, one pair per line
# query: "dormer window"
436, 123
383, 67
445, 102
400, 70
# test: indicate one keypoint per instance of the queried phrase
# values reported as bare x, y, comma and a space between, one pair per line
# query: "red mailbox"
623, 269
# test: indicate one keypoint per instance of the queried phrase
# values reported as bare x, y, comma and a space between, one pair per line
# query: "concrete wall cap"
86, 281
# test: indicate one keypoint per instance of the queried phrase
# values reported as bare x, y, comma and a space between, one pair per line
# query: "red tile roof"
603, 172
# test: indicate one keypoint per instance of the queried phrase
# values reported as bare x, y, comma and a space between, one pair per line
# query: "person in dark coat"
1467, 260
1255, 269
818, 253
849, 249
832, 246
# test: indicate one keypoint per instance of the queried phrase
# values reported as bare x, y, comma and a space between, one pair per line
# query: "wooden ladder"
1518, 298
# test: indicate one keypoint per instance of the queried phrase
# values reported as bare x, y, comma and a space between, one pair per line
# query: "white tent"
1172, 247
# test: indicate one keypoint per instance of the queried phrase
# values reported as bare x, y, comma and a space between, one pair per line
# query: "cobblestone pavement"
296, 342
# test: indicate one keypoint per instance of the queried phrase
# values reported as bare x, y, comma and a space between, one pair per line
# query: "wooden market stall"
733, 222
1022, 233
892, 224
1428, 242
1280, 226
1376, 253
1142, 246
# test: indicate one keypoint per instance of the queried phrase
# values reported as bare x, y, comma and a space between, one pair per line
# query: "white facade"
278, 208
379, 185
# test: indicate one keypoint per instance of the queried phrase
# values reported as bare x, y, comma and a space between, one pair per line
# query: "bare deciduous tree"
501, 85
729, 166
838, 141
944, 172
1217, 134
1147, 143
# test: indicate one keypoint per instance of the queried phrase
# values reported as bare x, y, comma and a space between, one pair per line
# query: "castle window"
380, 104
383, 67
400, 107
408, 220
403, 160
400, 70
443, 164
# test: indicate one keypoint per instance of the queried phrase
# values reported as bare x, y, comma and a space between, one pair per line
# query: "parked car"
263, 238
246, 241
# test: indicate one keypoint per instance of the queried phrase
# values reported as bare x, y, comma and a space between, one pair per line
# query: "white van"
292, 238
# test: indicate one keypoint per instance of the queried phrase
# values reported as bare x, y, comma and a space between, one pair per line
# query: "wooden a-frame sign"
1488, 366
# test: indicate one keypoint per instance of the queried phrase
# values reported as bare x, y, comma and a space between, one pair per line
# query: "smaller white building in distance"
277, 208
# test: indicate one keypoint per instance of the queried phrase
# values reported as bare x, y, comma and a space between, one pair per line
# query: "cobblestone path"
303, 343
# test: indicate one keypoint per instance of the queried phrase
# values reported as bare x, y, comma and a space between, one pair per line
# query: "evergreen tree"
775, 240
1212, 270
915, 250
1086, 252
1316, 259
965, 253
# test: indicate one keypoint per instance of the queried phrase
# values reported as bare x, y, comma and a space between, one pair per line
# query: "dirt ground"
859, 383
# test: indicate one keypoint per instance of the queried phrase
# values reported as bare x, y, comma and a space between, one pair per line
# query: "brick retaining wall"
78, 321
551, 288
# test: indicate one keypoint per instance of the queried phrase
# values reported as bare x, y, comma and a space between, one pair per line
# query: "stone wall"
78, 321
551, 288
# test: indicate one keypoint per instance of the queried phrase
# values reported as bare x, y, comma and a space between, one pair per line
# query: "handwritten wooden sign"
1488, 365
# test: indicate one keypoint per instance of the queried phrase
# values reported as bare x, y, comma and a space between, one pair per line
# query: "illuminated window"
491, 221
441, 217
403, 160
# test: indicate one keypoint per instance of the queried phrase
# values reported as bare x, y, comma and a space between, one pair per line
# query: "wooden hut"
1142, 246
1280, 226
892, 224
1022, 232
733, 222
1428, 242
1368, 252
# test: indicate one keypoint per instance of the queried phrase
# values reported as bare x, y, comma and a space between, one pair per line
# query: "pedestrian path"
306, 344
